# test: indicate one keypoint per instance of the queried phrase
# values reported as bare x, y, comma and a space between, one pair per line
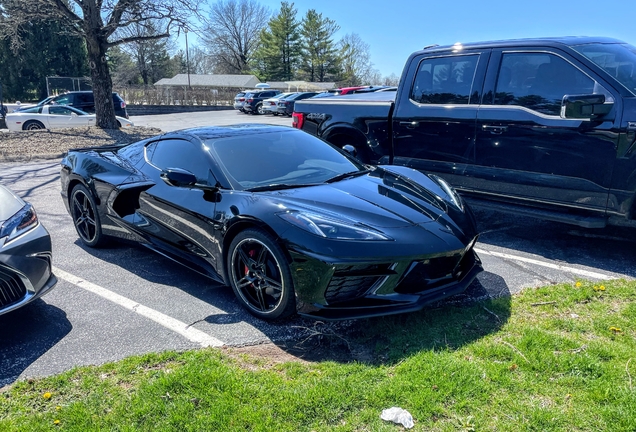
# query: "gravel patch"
49, 144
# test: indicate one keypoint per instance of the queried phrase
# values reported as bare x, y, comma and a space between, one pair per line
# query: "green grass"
558, 358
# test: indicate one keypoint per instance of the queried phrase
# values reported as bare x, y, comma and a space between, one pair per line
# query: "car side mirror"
178, 177
351, 150
584, 106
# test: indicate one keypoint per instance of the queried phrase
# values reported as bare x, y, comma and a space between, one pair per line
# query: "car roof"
546, 41
215, 132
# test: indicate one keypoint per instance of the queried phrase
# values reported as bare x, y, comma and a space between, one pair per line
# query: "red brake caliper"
251, 255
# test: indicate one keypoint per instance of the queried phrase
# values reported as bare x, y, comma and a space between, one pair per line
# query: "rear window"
444, 80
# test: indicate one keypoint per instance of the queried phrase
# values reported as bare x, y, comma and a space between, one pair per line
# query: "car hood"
10, 204
383, 198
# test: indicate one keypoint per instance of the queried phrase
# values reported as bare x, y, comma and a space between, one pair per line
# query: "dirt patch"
55, 143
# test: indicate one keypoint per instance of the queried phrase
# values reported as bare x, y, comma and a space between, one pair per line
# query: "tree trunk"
102, 84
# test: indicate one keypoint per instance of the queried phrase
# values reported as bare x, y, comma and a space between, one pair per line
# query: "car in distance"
286, 105
270, 106
82, 100
25, 254
290, 222
53, 117
239, 101
254, 100
536, 127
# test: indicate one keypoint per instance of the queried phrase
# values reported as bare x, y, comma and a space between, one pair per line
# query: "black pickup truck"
541, 127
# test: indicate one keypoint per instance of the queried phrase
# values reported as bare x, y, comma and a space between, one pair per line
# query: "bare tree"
232, 33
355, 59
97, 22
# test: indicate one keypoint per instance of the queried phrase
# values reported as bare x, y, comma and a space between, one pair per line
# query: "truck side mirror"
584, 106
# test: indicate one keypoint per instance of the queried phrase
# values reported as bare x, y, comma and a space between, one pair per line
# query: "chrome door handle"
410, 124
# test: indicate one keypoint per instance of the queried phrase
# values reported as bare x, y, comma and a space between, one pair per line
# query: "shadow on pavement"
27, 333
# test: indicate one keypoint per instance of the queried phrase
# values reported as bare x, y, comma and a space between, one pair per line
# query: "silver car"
239, 101
270, 106
25, 254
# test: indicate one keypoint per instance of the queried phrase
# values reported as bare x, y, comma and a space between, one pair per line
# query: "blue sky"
394, 29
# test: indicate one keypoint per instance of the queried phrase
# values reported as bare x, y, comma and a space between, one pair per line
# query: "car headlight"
331, 227
452, 194
20, 223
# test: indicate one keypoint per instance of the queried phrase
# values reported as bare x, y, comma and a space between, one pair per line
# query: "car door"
62, 116
436, 111
524, 150
178, 219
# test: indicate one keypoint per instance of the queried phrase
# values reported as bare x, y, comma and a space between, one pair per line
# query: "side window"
62, 100
59, 110
84, 98
539, 81
175, 153
444, 80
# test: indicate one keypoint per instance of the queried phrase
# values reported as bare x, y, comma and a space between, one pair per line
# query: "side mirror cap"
350, 149
178, 177
585, 106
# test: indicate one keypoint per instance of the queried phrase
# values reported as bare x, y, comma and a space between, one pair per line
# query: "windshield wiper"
277, 186
348, 175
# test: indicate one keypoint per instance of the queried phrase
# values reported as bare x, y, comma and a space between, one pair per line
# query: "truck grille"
12, 289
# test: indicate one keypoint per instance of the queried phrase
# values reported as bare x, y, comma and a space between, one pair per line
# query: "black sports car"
25, 254
290, 222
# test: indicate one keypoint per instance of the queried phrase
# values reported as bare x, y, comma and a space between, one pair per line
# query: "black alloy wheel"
32, 125
85, 217
260, 275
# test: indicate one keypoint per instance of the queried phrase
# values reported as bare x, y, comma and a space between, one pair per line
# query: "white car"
270, 106
54, 117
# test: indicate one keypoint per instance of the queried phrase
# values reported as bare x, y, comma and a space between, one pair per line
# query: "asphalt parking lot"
123, 300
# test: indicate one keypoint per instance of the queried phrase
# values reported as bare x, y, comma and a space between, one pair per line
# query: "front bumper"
25, 269
362, 290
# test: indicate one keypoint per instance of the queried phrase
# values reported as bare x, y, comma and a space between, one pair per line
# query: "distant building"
210, 81
239, 82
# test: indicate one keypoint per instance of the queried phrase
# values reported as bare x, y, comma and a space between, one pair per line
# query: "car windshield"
279, 159
619, 60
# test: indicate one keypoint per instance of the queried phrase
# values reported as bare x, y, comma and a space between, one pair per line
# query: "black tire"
259, 109
32, 125
260, 276
86, 218
118, 124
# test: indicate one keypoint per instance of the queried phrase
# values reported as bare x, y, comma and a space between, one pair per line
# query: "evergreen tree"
320, 56
46, 52
280, 46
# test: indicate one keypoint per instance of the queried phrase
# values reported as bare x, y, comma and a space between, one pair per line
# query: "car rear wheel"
86, 218
260, 276
32, 125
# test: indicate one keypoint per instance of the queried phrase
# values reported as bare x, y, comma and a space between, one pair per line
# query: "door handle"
410, 124
495, 130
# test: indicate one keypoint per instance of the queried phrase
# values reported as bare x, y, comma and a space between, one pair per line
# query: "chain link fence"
195, 96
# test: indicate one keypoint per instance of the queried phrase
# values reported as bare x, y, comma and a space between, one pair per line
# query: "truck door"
524, 150
436, 111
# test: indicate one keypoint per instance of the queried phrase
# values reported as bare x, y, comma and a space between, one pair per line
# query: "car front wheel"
259, 109
260, 276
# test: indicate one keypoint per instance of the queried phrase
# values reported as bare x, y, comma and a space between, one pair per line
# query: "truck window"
444, 80
539, 81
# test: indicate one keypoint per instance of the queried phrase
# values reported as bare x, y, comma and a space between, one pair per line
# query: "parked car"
270, 106
290, 222
239, 101
254, 100
539, 127
82, 100
286, 105
25, 254
54, 117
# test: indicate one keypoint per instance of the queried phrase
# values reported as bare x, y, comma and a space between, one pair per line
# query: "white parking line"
567, 269
170, 323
